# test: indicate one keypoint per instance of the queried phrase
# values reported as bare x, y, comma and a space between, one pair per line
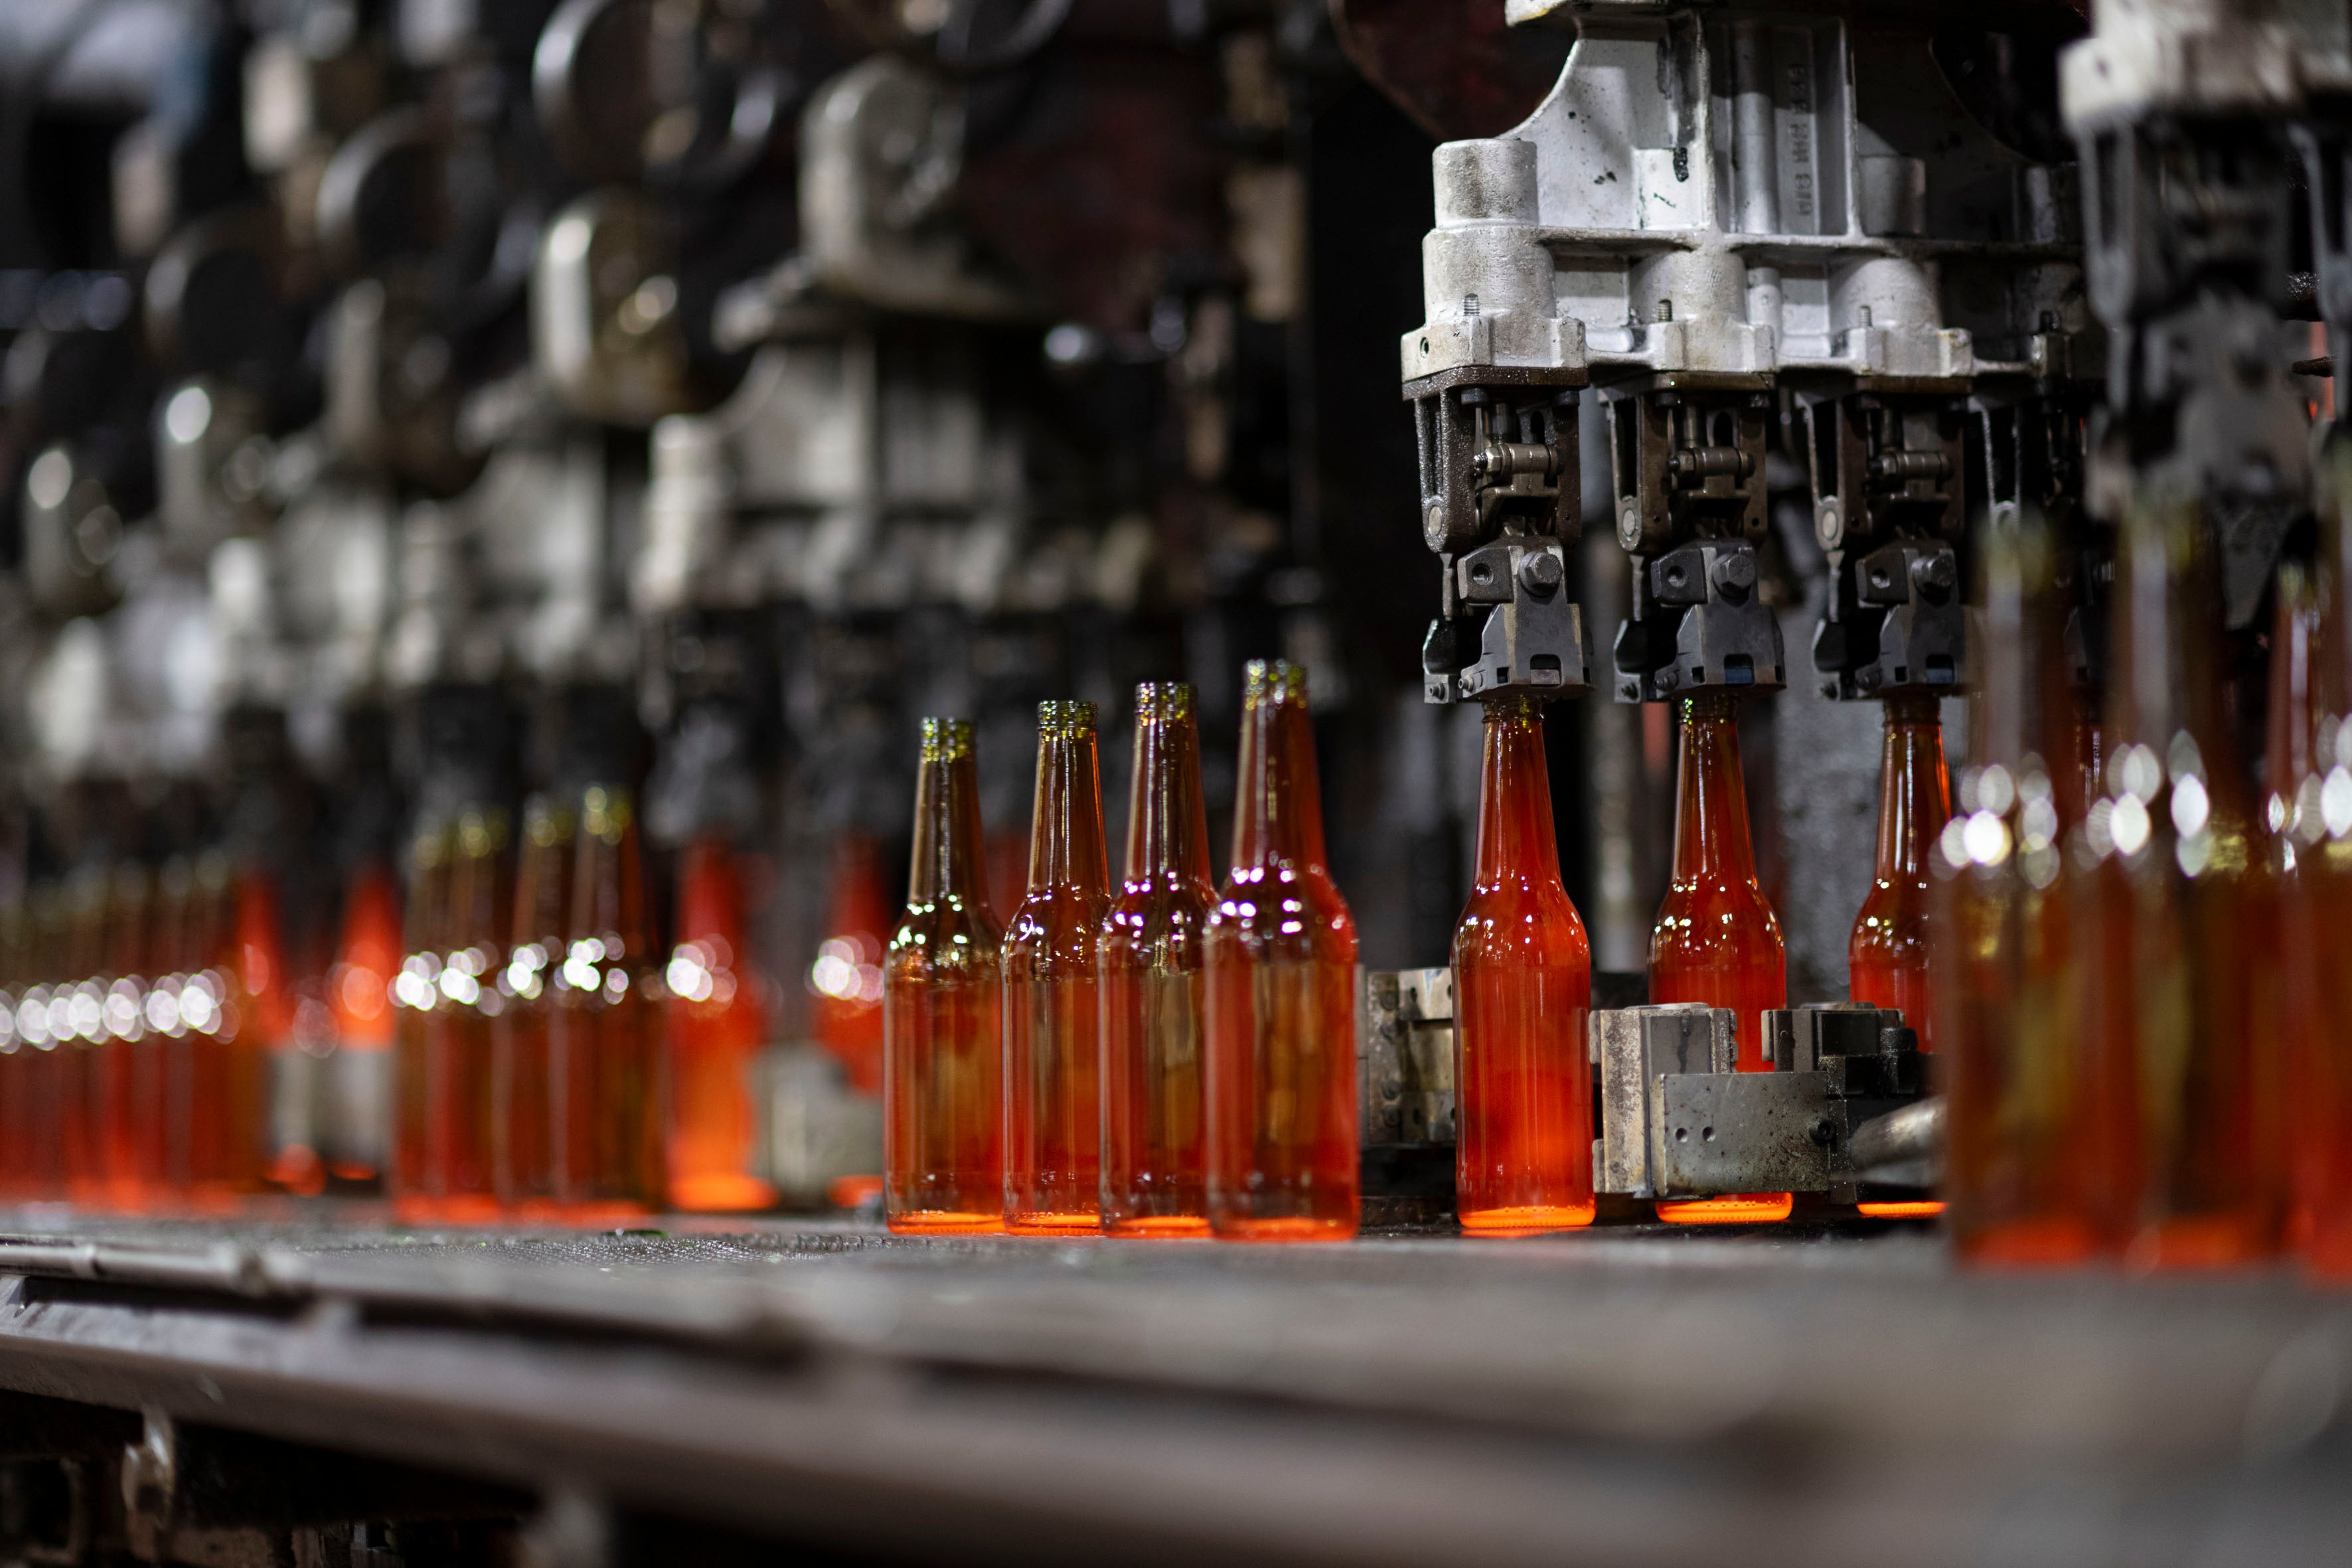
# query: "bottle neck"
1278, 814
1711, 841
607, 899
1167, 821
1066, 835
2168, 701
543, 877
947, 835
1515, 841
1914, 792
476, 898
710, 895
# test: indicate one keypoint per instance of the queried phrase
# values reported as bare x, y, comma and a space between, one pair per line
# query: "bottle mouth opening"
945, 740
1164, 700
1273, 681
1066, 719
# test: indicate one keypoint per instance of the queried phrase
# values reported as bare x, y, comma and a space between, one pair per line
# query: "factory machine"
512, 506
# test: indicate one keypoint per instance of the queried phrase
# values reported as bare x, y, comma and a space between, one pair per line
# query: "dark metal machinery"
759, 370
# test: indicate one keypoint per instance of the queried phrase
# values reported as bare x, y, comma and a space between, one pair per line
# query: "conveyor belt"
1619, 1397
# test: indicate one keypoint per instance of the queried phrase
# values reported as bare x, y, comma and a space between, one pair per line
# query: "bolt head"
1734, 571
1542, 572
1935, 570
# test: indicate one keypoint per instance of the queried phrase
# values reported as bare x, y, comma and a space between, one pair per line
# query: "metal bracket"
1679, 1119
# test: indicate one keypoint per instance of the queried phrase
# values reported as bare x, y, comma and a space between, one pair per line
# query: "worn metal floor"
1634, 1397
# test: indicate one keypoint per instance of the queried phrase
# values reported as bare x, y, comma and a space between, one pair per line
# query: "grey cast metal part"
1679, 1119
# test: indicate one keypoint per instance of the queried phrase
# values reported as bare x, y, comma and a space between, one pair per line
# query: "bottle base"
2029, 1244
1733, 1208
1034, 1222
2193, 1246
946, 1221
725, 1193
1913, 1208
1528, 1219
1157, 1226
1289, 1228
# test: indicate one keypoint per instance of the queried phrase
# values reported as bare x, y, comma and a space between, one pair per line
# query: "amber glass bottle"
415, 990
358, 997
237, 930
1522, 988
159, 1069
1052, 1052
1153, 983
41, 1017
130, 951
1281, 1039
2187, 1001
2318, 830
1717, 939
942, 1012
847, 978
2024, 1180
608, 1045
80, 1025
716, 1029
521, 1042
459, 1151
15, 1056
2292, 726
1887, 955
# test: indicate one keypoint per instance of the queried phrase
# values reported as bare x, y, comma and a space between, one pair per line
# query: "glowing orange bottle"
1888, 952
82, 1045
2024, 1180
129, 908
1717, 940
1052, 1026
2318, 832
1154, 987
608, 1027
458, 1160
522, 1041
360, 998
716, 1029
942, 1012
2288, 774
847, 978
414, 992
2186, 1004
1522, 988
1281, 1037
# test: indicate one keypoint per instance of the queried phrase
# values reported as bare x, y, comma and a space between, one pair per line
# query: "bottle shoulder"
947, 935
1285, 907
1148, 923
1535, 923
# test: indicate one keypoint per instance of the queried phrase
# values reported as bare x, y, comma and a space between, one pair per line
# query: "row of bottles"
2143, 996
1171, 1060
132, 1013
499, 1035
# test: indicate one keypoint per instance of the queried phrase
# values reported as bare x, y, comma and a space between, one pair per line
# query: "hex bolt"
1541, 573
1734, 571
1933, 570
